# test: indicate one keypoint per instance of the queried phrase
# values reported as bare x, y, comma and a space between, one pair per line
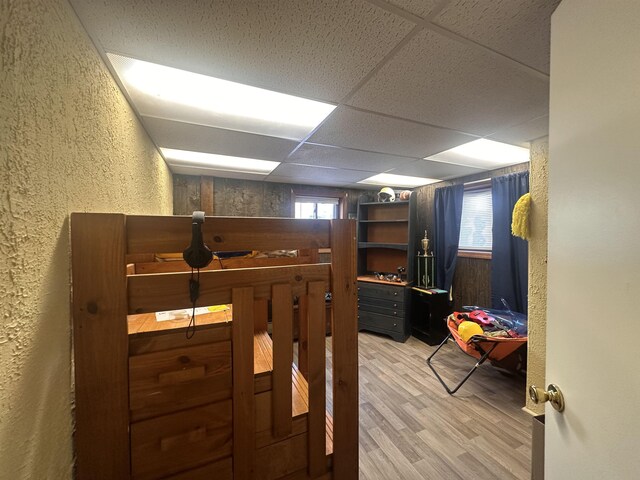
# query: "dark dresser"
384, 308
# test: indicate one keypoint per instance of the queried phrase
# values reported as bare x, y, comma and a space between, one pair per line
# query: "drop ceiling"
409, 78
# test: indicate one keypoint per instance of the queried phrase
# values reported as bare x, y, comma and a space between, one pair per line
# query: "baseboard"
531, 412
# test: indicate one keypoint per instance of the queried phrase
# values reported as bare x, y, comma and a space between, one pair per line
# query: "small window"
316, 207
476, 227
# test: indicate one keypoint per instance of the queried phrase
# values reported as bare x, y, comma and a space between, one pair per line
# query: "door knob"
552, 394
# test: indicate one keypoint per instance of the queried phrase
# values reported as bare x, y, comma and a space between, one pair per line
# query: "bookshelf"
386, 241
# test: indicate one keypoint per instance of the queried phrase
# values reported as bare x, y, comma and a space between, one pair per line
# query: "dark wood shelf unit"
395, 246
386, 241
397, 202
404, 220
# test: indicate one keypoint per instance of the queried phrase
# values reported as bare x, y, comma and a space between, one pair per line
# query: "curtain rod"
478, 181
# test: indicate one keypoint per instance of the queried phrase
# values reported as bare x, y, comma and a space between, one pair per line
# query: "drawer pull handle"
185, 375
395, 313
395, 305
196, 435
395, 324
395, 294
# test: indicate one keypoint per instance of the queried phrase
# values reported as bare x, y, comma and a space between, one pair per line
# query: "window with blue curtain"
509, 263
448, 214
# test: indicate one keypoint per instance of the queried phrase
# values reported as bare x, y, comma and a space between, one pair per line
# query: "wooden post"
303, 336
317, 387
100, 345
345, 349
282, 321
244, 424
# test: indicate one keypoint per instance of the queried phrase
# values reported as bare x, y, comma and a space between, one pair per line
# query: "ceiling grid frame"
516, 130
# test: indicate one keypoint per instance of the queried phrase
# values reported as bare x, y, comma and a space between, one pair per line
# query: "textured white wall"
537, 315
68, 142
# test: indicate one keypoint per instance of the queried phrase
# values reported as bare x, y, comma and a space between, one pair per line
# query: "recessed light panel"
166, 92
483, 153
219, 162
388, 179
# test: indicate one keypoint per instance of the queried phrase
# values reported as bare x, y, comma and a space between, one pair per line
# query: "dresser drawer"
391, 312
171, 380
173, 443
378, 321
381, 302
381, 291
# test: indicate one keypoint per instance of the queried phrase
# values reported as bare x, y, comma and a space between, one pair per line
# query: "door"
593, 331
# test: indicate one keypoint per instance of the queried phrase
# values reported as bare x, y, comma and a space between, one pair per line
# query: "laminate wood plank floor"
410, 428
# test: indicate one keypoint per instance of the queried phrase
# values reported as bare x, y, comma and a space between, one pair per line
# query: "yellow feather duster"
520, 218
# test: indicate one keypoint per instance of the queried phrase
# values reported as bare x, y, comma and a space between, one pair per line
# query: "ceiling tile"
317, 49
306, 181
199, 138
364, 186
347, 127
187, 170
439, 170
335, 157
525, 132
512, 156
437, 80
339, 176
421, 8
519, 29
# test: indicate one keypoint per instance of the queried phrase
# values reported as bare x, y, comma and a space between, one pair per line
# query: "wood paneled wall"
229, 197
472, 283
472, 279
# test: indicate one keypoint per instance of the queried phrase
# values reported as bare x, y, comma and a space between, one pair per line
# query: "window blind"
477, 220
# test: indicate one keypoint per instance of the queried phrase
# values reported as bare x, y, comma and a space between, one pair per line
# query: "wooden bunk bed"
227, 403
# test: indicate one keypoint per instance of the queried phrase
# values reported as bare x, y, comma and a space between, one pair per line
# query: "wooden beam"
282, 322
169, 291
316, 380
345, 349
243, 392
100, 346
228, 263
157, 234
303, 335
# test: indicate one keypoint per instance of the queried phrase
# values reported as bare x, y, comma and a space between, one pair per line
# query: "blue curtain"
448, 213
509, 259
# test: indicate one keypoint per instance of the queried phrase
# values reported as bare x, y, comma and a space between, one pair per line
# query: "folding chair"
478, 346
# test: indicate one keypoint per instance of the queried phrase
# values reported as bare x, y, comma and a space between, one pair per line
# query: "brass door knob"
552, 394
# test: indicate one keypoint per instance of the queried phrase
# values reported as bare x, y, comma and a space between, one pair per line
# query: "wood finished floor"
410, 428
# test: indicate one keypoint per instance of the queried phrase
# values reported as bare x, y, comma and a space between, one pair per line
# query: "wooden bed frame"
229, 402
149, 264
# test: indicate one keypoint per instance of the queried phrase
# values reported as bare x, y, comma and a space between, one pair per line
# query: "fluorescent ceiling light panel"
219, 162
170, 93
388, 179
483, 153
